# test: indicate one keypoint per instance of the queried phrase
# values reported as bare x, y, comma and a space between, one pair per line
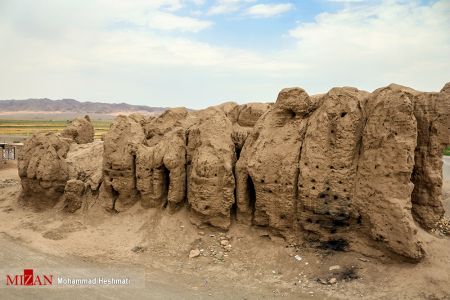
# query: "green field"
447, 151
25, 128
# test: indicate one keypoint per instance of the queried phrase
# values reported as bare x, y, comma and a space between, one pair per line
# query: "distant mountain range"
73, 106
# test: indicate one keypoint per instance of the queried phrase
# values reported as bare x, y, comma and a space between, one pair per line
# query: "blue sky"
197, 53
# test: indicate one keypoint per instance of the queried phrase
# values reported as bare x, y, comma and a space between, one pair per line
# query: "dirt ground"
255, 266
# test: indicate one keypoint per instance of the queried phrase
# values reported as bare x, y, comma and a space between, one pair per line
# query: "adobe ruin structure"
346, 170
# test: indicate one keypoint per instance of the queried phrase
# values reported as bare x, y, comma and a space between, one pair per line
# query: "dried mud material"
343, 170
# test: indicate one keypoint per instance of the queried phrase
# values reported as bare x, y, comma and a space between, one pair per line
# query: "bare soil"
257, 265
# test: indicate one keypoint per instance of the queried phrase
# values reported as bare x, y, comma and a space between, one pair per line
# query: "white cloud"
122, 51
268, 10
167, 21
82, 41
346, 1
198, 2
227, 6
373, 45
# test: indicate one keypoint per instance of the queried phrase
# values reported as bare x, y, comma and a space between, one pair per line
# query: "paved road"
446, 167
15, 255
163, 285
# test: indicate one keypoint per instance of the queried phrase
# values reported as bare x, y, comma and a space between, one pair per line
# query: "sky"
197, 53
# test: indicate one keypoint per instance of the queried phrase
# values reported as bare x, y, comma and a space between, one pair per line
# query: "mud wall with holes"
344, 170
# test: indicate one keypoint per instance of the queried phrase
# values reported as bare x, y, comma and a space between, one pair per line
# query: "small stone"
201, 233
332, 280
194, 253
363, 259
224, 242
138, 249
298, 257
334, 268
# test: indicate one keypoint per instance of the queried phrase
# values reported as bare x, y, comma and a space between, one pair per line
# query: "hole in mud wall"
251, 195
233, 210
238, 152
165, 184
343, 114
115, 195
291, 113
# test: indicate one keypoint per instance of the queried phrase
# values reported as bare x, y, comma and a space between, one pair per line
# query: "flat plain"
18, 130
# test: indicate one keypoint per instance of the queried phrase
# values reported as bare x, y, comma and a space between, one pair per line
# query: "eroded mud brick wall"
344, 170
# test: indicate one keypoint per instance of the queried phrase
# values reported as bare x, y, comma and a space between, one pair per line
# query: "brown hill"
71, 105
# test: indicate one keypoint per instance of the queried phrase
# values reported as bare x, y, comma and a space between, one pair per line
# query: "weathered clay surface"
343, 170
386, 162
73, 193
85, 163
161, 160
43, 169
210, 161
244, 117
80, 130
268, 165
328, 165
119, 159
432, 112
48, 162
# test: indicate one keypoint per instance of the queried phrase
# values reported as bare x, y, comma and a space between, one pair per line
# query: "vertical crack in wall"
355, 201
187, 164
296, 219
165, 174
115, 195
136, 192
251, 192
